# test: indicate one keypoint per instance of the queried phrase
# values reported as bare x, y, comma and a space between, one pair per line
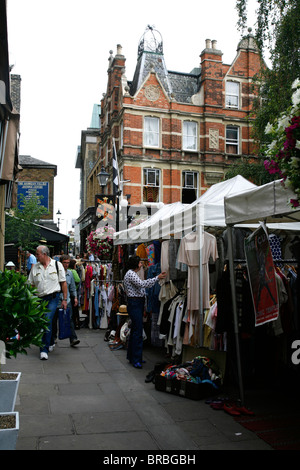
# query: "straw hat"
122, 310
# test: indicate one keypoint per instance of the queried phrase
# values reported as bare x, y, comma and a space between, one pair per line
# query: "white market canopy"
269, 203
208, 209
243, 202
150, 228
179, 219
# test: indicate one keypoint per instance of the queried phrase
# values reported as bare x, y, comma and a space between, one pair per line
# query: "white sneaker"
51, 348
43, 356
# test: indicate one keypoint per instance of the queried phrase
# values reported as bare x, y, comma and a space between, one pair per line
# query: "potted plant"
9, 430
22, 324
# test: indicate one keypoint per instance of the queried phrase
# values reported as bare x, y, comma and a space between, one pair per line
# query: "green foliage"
277, 32
283, 153
251, 170
22, 314
20, 226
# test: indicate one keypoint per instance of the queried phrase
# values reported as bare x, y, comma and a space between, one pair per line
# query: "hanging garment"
150, 254
275, 245
164, 260
152, 293
189, 254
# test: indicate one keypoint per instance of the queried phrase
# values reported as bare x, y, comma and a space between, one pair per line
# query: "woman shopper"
75, 308
135, 289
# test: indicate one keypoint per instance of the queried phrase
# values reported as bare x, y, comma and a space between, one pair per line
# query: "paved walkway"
91, 398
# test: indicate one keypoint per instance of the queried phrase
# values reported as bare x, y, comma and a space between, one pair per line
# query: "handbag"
64, 323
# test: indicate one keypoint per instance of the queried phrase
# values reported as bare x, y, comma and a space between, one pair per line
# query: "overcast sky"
61, 48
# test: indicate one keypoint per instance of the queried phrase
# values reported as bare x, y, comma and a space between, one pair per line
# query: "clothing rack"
274, 261
84, 260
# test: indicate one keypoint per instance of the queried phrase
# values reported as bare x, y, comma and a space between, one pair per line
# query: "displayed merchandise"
194, 379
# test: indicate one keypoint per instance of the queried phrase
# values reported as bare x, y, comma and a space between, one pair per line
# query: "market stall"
193, 227
270, 204
184, 225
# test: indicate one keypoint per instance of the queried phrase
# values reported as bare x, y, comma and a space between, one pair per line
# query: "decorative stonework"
213, 138
213, 177
152, 93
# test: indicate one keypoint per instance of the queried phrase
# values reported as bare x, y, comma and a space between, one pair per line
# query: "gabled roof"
177, 85
26, 161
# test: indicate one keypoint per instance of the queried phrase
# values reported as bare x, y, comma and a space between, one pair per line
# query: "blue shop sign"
34, 188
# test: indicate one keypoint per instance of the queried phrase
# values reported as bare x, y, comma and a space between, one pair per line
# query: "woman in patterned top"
135, 290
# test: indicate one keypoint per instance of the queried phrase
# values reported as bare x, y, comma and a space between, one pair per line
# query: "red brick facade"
213, 103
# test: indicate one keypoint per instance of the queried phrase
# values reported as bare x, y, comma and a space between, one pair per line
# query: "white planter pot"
8, 437
8, 392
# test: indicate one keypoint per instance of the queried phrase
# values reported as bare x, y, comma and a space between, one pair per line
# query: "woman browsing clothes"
135, 290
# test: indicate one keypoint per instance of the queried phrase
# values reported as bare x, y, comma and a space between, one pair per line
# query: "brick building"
175, 133
37, 177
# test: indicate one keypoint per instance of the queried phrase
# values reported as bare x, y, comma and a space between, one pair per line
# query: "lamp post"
58, 213
102, 178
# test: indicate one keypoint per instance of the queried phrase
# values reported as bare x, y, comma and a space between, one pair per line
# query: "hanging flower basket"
284, 151
100, 242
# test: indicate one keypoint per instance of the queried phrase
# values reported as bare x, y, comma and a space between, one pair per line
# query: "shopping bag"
64, 323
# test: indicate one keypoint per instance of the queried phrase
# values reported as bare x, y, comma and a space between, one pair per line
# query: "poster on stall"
262, 276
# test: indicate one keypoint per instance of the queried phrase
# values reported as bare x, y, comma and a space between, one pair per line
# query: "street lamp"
102, 178
58, 213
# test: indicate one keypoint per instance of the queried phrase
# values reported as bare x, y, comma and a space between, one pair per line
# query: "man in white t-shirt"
48, 276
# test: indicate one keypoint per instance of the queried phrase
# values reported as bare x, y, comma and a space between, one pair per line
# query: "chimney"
214, 44
119, 49
207, 43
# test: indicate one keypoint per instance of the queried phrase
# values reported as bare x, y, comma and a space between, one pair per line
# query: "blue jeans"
52, 305
135, 309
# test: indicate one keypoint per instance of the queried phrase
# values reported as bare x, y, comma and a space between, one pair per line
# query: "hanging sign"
262, 276
105, 208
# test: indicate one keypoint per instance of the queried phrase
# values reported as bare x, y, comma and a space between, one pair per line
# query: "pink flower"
295, 202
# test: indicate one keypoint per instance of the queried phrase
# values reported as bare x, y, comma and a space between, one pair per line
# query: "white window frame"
189, 136
194, 175
232, 94
151, 131
121, 135
153, 181
230, 141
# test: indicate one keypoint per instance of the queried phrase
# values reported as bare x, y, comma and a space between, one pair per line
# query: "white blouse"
134, 286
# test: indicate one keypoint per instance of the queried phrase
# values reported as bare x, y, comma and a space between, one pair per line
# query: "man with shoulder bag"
49, 280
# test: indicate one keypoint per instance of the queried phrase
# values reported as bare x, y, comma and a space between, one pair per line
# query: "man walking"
49, 280
31, 259
71, 291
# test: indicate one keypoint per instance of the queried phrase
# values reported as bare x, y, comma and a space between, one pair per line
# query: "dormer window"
232, 94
